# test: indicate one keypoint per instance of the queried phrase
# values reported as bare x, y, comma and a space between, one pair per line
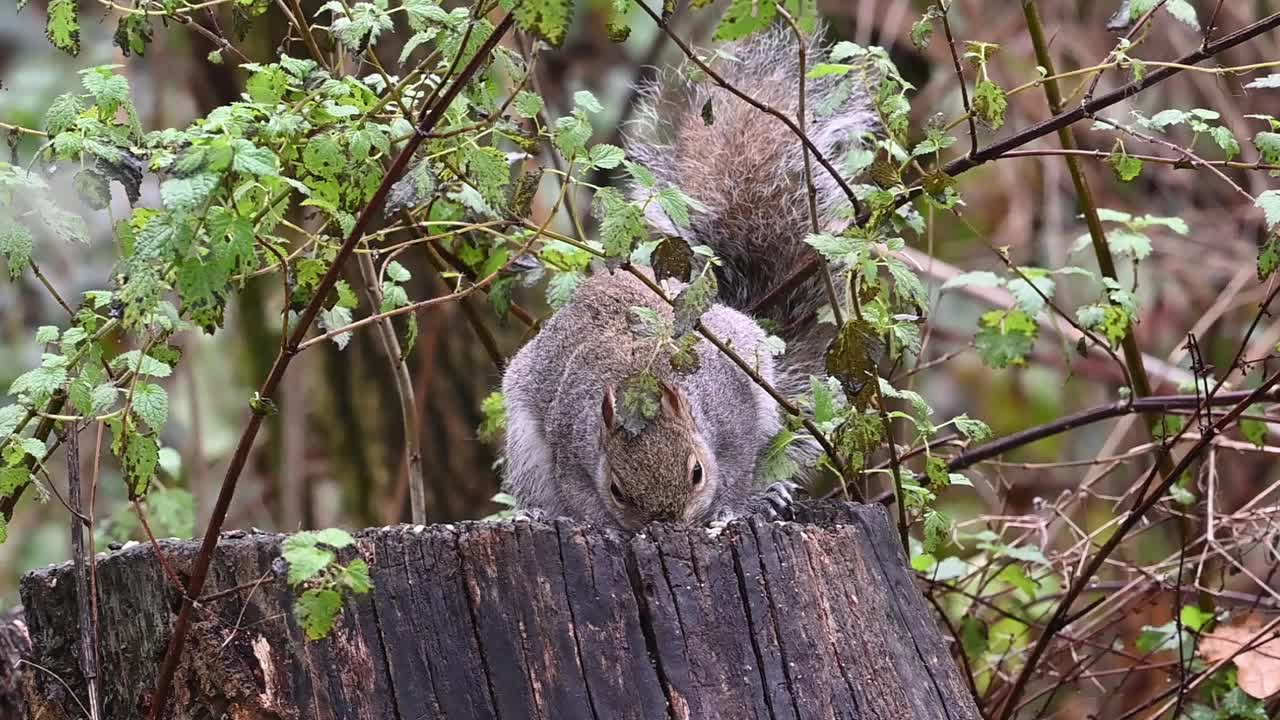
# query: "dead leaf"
1259, 667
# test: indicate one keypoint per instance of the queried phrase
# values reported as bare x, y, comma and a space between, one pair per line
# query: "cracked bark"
813, 619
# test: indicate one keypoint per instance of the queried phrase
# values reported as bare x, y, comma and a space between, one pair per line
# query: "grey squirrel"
698, 459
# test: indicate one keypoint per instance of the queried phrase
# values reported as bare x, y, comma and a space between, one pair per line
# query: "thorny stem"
404, 393
827, 284
1101, 251
998, 149
200, 568
85, 617
964, 88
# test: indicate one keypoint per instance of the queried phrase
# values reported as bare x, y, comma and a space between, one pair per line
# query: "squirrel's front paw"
537, 515
776, 500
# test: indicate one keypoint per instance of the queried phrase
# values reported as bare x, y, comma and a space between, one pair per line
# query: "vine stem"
1089, 207
999, 148
200, 568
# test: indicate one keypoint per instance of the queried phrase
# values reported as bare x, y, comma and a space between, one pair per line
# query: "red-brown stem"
200, 568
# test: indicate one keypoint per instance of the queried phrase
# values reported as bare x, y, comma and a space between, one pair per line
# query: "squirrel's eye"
616, 492
695, 474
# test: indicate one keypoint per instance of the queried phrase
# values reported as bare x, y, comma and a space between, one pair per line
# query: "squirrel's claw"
777, 499
530, 514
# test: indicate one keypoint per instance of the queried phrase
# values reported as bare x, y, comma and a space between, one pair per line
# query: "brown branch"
1144, 503
964, 88
88, 629
1148, 405
200, 568
998, 149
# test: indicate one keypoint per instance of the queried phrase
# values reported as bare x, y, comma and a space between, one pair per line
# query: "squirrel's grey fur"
562, 455
747, 169
564, 452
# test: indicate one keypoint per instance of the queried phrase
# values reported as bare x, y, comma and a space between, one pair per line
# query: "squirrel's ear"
672, 400
606, 409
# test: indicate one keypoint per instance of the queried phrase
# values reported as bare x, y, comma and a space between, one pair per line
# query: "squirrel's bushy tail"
746, 168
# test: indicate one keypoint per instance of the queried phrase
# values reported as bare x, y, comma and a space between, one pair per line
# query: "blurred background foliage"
334, 453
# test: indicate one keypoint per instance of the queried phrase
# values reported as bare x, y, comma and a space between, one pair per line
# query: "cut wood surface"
817, 618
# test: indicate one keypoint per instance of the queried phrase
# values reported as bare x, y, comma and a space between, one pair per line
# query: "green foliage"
1005, 338
313, 568
639, 403
494, 409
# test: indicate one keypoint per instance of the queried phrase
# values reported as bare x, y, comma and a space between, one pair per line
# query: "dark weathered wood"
14, 643
814, 619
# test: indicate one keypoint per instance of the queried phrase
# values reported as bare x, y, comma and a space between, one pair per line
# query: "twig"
1155, 404
998, 149
85, 623
943, 9
1144, 504
404, 393
200, 568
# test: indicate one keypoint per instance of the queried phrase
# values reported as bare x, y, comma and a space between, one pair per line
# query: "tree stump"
813, 619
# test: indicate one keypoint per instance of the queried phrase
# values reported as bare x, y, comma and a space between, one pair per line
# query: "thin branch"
999, 148
964, 88
404, 393
88, 629
1156, 404
200, 568
1177, 163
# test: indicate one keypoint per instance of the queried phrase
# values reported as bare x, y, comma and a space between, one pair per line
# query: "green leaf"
355, 577
1025, 293
973, 636
548, 19
66, 226
571, 134
10, 416
640, 397
974, 430
40, 382
11, 479
1195, 618
143, 365
744, 17
527, 104
1125, 167
605, 156
133, 34
489, 173
1184, 12
494, 410
777, 464
1268, 145
305, 559
151, 403
937, 530
253, 160
694, 300
316, 611
62, 113
63, 26
1269, 256
1005, 338
977, 278
267, 86
335, 538
1269, 201
323, 157
990, 103
93, 188
1262, 83
1255, 431
621, 223
188, 193
138, 455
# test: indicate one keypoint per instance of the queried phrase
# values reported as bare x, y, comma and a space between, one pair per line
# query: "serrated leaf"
253, 160
63, 26
621, 223
974, 430
990, 103
561, 288
1126, 167
937, 530
334, 538
1005, 338
144, 365
1262, 83
151, 403
1269, 256
527, 104
548, 19
744, 17
494, 410
188, 193
1269, 202
640, 401
62, 113
976, 278
694, 300
16, 244
605, 156
316, 611
355, 577
305, 559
